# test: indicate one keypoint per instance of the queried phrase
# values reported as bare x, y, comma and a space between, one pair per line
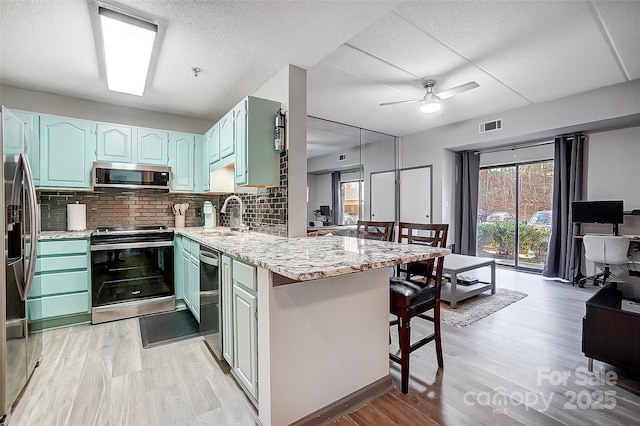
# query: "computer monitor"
598, 212
325, 211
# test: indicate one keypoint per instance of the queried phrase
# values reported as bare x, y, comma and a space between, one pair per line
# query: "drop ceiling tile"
621, 21
401, 43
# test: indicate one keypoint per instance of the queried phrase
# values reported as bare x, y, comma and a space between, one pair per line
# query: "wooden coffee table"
455, 264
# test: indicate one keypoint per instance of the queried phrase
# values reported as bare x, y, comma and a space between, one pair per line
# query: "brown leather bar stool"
415, 291
371, 230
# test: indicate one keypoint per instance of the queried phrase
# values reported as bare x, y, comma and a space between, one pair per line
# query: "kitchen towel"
76, 217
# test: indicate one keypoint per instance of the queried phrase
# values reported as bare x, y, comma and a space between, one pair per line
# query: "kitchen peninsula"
322, 317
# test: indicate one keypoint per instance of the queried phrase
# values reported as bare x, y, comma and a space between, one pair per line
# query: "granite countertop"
64, 235
304, 259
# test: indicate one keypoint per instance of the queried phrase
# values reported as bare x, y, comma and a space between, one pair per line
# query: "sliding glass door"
514, 213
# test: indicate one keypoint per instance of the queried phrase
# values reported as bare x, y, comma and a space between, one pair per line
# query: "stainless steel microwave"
131, 176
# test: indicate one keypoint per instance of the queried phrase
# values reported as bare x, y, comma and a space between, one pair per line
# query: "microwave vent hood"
131, 176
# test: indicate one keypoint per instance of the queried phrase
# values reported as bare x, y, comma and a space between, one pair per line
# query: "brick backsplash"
126, 208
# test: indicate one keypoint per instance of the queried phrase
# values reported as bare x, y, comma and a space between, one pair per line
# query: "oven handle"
124, 246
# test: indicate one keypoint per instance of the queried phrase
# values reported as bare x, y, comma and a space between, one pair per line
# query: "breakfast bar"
316, 297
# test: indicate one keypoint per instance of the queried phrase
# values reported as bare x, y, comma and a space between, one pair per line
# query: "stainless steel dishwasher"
210, 300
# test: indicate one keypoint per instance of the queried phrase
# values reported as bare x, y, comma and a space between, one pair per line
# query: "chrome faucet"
223, 210
265, 200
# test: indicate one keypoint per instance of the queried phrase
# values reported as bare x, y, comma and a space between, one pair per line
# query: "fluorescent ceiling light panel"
128, 43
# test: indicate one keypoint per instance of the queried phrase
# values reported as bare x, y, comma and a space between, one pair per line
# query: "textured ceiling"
358, 54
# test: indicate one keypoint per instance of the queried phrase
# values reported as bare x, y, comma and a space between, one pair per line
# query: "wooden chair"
371, 230
415, 291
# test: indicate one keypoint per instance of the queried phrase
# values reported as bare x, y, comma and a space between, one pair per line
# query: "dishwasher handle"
209, 258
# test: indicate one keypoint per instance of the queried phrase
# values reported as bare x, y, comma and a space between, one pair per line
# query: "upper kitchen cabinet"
213, 141
201, 166
32, 148
115, 143
227, 141
182, 161
257, 162
152, 146
67, 152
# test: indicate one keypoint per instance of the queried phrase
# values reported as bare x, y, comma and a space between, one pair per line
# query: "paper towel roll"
76, 217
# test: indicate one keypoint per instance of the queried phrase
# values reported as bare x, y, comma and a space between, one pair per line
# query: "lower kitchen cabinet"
187, 274
240, 322
61, 291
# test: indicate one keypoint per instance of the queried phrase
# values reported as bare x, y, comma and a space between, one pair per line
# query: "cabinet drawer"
48, 248
54, 306
49, 264
68, 282
245, 275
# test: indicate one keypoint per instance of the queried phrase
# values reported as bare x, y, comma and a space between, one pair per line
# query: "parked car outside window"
541, 219
500, 217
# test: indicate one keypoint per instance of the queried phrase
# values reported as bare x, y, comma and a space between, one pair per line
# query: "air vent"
491, 126
342, 157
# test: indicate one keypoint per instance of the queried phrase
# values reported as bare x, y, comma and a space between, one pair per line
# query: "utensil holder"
179, 221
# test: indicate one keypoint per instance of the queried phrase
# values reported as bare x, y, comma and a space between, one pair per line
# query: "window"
351, 202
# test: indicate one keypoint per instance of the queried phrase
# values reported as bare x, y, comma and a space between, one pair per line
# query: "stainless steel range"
131, 272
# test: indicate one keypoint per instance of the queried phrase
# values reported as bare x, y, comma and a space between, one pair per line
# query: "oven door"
128, 272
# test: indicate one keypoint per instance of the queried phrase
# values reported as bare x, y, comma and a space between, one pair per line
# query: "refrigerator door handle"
33, 223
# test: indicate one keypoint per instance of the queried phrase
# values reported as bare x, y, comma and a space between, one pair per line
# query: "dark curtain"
466, 213
567, 187
335, 197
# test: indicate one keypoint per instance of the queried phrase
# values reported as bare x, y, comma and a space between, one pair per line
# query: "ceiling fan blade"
402, 102
457, 90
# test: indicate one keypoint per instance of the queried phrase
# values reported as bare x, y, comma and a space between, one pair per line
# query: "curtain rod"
512, 147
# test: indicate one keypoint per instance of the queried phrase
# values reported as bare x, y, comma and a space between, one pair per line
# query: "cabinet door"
32, 148
245, 335
227, 141
201, 165
178, 267
182, 161
185, 279
114, 143
68, 151
194, 287
13, 133
152, 146
226, 287
214, 143
240, 136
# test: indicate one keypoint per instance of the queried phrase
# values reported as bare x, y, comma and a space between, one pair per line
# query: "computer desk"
633, 239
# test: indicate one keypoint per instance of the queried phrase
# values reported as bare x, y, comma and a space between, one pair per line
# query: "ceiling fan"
431, 101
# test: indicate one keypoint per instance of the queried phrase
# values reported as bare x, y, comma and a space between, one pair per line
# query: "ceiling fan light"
431, 106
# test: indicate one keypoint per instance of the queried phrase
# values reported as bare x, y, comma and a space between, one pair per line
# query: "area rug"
167, 327
478, 307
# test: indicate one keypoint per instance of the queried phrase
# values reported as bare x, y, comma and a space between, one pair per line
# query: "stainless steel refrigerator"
20, 349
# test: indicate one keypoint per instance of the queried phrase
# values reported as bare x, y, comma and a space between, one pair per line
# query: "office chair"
605, 250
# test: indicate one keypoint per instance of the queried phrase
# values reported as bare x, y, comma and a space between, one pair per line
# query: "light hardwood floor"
100, 375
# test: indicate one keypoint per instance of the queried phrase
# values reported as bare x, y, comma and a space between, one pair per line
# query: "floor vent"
342, 157
491, 126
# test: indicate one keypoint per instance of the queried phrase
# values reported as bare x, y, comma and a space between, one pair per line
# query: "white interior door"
383, 196
415, 195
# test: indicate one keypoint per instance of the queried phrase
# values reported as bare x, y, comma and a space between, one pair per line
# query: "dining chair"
375, 230
415, 291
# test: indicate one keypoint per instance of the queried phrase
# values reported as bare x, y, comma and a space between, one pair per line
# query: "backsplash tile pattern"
127, 208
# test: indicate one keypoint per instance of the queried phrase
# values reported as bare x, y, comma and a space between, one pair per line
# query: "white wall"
289, 87
48, 103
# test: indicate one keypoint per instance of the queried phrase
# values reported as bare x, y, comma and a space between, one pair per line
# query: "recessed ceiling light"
128, 43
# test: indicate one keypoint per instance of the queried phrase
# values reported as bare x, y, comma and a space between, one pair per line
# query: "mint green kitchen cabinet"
245, 326
213, 138
13, 130
67, 152
201, 166
32, 148
189, 270
226, 299
178, 267
61, 291
227, 141
182, 154
152, 146
115, 143
257, 162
